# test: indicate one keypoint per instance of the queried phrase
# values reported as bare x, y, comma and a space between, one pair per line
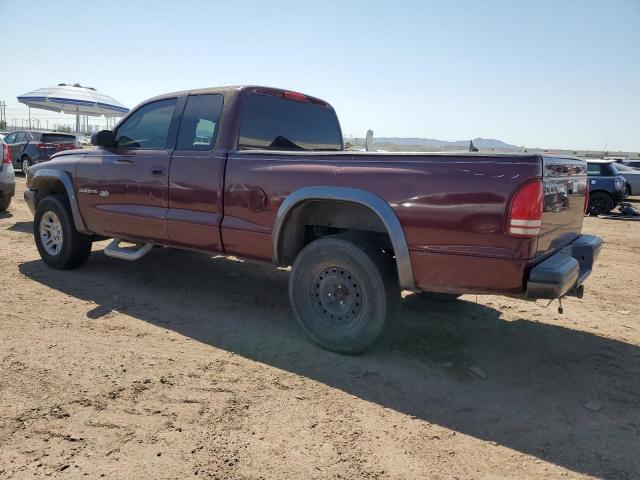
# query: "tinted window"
199, 123
57, 138
21, 137
279, 124
148, 127
593, 169
10, 138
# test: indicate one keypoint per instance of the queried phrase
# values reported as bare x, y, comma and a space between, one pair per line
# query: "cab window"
199, 124
148, 127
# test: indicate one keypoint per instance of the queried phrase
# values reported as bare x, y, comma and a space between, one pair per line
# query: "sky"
548, 74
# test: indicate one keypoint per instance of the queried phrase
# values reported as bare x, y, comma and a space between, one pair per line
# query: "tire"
25, 164
600, 203
439, 297
4, 203
53, 224
343, 290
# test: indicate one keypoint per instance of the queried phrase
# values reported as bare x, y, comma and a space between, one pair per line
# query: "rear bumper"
564, 272
30, 199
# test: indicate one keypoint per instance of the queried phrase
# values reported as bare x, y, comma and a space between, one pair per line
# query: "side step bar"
127, 253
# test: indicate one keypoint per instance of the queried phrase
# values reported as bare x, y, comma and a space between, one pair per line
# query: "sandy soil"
182, 365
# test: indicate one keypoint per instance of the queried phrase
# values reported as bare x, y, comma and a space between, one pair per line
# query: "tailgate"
565, 188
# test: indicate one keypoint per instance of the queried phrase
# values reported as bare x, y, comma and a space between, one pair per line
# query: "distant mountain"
482, 143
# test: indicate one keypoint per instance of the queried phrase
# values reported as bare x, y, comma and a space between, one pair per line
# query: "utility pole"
3, 114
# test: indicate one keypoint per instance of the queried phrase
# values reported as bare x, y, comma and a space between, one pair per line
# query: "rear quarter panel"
452, 208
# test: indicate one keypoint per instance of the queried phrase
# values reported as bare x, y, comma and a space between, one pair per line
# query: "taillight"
7, 153
525, 213
297, 97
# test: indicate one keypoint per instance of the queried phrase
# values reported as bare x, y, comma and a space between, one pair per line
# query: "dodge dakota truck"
261, 173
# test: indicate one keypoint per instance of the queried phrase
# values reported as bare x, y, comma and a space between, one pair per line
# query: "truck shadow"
539, 376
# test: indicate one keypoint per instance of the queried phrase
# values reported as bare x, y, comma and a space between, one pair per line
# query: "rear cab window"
275, 123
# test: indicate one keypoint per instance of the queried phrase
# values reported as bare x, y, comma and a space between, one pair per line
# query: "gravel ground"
186, 366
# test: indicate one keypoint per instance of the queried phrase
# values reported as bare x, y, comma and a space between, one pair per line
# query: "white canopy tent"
74, 99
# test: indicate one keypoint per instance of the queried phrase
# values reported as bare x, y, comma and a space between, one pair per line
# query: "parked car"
29, 147
632, 163
631, 176
7, 178
261, 173
607, 188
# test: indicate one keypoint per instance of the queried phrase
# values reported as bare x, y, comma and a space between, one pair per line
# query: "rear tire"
600, 203
4, 203
60, 245
343, 290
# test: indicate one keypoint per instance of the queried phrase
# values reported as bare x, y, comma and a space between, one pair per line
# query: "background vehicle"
607, 187
29, 147
631, 176
632, 163
7, 178
261, 173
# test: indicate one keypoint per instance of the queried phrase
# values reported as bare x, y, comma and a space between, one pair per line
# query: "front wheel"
600, 203
4, 203
60, 245
343, 290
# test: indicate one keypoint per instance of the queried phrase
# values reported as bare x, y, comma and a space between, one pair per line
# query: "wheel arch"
48, 181
373, 212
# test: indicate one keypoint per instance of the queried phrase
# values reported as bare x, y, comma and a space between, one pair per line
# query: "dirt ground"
186, 366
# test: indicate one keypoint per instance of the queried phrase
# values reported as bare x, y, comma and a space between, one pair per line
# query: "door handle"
157, 171
123, 160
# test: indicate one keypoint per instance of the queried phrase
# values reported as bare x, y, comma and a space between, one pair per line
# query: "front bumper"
564, 272
30, 199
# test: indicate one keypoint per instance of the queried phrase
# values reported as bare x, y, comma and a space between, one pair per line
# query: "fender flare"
378, 205
44, 174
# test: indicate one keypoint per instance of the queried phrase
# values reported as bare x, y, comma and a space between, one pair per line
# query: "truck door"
196, 178
123, 191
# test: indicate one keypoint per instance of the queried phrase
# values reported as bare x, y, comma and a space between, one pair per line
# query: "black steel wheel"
600, 203
343, 290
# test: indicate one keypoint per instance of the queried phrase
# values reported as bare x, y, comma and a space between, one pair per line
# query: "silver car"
7, 178
631, 175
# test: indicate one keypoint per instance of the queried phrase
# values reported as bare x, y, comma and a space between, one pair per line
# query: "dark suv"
606, 186
29, 147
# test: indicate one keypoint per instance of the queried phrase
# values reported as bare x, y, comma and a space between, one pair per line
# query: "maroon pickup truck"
262, 173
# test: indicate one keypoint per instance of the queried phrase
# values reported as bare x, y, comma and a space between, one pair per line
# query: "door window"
10, 138
148, 127
21, 137
199, 123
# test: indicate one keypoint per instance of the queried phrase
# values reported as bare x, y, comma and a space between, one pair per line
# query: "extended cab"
262, 173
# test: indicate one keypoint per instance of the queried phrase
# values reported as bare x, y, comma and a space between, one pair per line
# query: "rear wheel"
26, 163
343, 290
600, 203
60, 245
4, 203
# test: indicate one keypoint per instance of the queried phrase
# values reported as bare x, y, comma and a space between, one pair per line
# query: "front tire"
600, 203
343, 290
60, 245
4, 203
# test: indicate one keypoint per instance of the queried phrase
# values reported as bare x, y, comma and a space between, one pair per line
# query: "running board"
127, 253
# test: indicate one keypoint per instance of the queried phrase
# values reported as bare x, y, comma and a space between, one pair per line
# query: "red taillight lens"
7, 153
525, 214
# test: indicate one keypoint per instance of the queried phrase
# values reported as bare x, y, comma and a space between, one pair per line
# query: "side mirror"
103, 138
